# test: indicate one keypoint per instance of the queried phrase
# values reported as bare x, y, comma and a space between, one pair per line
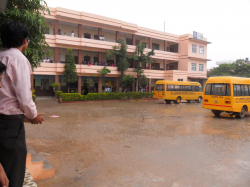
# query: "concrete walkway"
28, 180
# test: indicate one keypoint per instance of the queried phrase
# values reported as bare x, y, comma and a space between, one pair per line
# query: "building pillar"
133, 39
32, 81
79, 85
117, 84
149, 42
149, 85
56, 78
79, 56
165, 45
79, 30
99, 56
133, 87
133, 64
56, 54
99, 85
99, 32
56, 27
117, 36
150, 65
165, 65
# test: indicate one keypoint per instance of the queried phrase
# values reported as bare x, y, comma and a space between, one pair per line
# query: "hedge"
105, 96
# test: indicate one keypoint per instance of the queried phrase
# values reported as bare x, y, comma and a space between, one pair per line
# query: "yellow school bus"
227, 94
177, 91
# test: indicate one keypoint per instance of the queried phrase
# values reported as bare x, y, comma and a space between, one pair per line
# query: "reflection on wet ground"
141, 144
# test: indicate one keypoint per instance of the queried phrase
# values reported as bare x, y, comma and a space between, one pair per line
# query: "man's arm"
4, 182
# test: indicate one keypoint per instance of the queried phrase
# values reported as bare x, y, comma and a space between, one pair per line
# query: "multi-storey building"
176, 57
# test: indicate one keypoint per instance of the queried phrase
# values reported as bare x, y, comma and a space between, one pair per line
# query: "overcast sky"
225, 23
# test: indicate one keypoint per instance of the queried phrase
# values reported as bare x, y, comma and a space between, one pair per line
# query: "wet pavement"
141, 144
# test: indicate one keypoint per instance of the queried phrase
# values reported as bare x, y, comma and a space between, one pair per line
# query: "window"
47, 31
174, 48
193, 66
180, 79
208, 89
137, 42
201, 49
201, 67
156, 46
194, 48
86, 35
170, 88
159, 87
241, 90
44, 84
177, 88
219, 89
96, 37
145, 44
129, 41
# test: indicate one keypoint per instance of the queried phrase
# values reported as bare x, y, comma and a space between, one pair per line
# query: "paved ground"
141, 144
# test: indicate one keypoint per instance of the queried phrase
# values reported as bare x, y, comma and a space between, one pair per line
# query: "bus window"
237, 91
170, 87
159, 87
219, 89
177, 88
228, 90
246, 90
208, 89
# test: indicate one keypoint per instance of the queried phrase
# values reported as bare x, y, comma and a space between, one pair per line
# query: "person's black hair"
13, 34
2, 67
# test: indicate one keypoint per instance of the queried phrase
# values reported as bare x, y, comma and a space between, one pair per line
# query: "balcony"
101, 46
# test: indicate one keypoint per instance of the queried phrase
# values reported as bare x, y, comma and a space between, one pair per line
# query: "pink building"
177, 57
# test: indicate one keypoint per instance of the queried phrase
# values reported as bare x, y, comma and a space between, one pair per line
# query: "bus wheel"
167, 101
242, 113
216, 112
199, 100
178, 100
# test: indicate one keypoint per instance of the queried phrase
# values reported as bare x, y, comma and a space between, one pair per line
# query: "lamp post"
3, 4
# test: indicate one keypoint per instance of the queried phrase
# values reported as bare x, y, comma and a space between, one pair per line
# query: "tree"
238, 68
104, 72
143, 81
121, 56
141, 58
90, 84
30, 13
70, 75
127, 80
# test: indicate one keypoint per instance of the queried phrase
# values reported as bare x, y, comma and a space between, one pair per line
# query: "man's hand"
4, 182
38, 119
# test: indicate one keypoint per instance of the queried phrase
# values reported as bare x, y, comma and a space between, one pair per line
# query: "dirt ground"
141, 144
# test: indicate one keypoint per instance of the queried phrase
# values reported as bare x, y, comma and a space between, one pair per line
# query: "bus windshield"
159, 87
218, 89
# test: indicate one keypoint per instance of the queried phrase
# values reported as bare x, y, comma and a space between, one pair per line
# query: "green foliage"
104, 72
72, 91
30, 13
33, 91
239, 68
34, 97
56, 85
143, 81
58, 93
121, 56
141, 58
71, 97
105, 96
127, 80
70, 75
90, 84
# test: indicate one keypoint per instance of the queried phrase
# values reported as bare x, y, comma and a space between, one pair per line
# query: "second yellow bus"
177, 91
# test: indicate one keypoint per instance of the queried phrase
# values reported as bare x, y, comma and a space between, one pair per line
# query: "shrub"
58, 93
71, 97
105, 96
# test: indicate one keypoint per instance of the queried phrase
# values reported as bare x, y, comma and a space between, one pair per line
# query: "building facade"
177, 57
